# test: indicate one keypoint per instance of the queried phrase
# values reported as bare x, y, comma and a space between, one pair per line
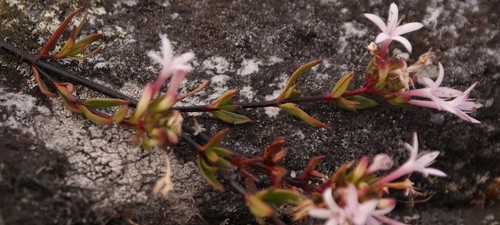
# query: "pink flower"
370, 212
416, 163
178, 66
439, 98
392, 31
334, 214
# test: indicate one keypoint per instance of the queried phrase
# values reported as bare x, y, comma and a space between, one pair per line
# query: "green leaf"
293, 109
346, 104
258, 207
209, 174
342, 85
215, 140
99, 103
222, 152
120, 114
276, 197
230, 117
290, 84
95, 117
229, 107
364, 102
224, 99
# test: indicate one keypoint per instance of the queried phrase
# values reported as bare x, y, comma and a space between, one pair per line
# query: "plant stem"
48, 67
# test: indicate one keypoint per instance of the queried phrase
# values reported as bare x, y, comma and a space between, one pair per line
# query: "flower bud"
380, 162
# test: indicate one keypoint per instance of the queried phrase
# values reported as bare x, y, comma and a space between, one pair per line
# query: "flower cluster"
356, 205
394, 78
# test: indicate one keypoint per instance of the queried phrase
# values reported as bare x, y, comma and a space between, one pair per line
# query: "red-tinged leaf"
41, 84
65, 50
65, 90
98, 103
224, 164
342, 85
277, 146
294, 110
212, 156
97, 50
81, 24
222, 152
88, 40
397, 100
364, 102
209, 174
215, 140
383, 71
276, 173
142, 106
286, 93
120, 114
95, 117
223, 99
230, 117
346, 104
311, 167
57, 33
259, 208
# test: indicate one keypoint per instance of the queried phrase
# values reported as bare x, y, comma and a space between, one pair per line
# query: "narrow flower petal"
392, 20
376, 20
382, 37
319, 213
435, 172
404, 42
409, 27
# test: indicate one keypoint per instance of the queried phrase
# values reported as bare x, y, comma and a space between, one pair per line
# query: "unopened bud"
380, 162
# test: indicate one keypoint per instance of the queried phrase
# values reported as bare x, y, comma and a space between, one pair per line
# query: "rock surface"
58, 168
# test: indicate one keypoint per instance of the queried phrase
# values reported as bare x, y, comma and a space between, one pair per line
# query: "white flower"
420, 163
334, 214
392, 31
439, 96
416, 163
178, 65
370, 212
358, 213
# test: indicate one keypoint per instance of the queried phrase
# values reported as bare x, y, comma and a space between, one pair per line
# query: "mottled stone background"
58, 168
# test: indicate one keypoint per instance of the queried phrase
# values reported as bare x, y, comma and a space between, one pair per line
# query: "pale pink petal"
466, 117
364, 211
332, 222
468, 106
156, 57
377, 21
439, 80
403, 41
428, 82
389, 221
329, 201
406, 28
166, 47
319, 213
435, 172
382, 37
427, 158
392, 20
446, 92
